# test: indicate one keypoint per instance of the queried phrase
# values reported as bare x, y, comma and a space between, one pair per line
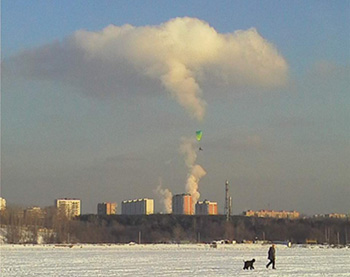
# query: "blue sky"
110, 133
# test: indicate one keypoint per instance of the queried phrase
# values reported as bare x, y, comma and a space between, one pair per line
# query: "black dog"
249, 264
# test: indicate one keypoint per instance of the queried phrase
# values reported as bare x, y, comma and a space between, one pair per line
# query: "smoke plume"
178, 55
166, 197
196, 172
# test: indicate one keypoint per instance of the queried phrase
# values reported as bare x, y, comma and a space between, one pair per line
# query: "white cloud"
178, 55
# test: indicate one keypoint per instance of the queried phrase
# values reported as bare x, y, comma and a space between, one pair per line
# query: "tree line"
52, 227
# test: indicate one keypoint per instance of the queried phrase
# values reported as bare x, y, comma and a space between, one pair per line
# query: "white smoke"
179, 54
189, 151
196, 172
166, 197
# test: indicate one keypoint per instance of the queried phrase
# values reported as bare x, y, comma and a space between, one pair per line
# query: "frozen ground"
170, 260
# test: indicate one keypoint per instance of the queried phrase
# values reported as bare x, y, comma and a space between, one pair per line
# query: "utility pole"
230, 207
346, 236
227, 202
338, 238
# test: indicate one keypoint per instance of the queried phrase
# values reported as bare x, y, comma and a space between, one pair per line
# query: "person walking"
271, 256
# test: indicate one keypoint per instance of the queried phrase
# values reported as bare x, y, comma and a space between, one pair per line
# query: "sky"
100, 100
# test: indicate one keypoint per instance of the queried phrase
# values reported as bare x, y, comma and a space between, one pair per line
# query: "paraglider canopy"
199, 135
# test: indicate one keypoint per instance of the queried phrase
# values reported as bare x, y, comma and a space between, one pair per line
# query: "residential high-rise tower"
182, 204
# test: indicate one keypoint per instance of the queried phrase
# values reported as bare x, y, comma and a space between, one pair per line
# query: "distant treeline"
168, 228
181, 228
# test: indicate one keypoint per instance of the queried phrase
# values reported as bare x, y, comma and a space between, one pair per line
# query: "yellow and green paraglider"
199, 134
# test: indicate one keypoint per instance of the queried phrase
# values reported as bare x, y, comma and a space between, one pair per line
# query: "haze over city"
101, 101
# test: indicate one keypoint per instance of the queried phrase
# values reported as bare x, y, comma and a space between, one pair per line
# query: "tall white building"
70, 207
2, 204
138, 206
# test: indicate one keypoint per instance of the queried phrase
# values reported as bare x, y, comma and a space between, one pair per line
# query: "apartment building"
69, 207
106, 208
2, 204
206, 207
182, 204
272, 213
138, 206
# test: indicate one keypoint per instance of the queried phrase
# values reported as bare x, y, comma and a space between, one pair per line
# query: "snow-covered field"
170, 260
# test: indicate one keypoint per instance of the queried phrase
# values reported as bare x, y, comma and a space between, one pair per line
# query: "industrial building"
138, 206
106, 208
274, 214
2, 204
69, 207
206, 207
182, 204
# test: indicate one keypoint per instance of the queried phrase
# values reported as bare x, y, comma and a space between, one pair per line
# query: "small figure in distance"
200, 149
249, 264
271, 256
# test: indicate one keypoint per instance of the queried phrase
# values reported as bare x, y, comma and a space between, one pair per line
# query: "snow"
170, 260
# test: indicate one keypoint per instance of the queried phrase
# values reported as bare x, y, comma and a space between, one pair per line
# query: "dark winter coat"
272, 253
